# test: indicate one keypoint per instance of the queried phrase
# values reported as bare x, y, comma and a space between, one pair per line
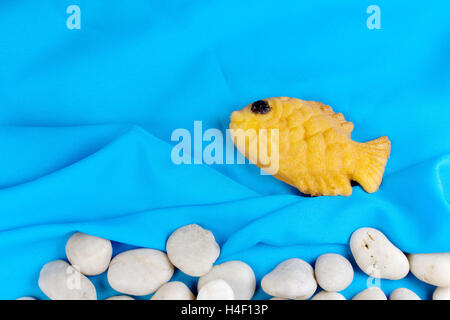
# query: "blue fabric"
86, 118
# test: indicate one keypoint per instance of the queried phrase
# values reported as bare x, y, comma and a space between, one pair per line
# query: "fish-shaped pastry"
315, 151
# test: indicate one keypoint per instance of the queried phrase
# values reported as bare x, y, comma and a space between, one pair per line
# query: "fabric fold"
127, 190
87, 115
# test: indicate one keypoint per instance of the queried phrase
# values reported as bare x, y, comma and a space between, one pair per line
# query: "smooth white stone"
58, 280
216, 290
139, 272
26, 298
333, 272
291, 279
325, 295
372, 293
377, 256
403, 294
120, 298
193, 250
174, 290
441, 293
432, 268
90, 254
237, 274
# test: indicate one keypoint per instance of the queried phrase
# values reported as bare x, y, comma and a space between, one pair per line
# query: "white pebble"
377, 256
403, 294
292, 279
174, 290
193, 250
432, 268
276, 298
372, 293
216, 290
237, 274
441, 293
140, 271
120, 298
26, 298
91, 255
325, 295
333, 272
58, 280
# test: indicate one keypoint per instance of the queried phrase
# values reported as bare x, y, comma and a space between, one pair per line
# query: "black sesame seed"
260, 107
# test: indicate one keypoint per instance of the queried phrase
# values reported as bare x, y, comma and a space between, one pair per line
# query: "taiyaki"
315, 151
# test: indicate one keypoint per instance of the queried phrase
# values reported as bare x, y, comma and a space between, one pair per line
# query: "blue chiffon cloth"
86, 118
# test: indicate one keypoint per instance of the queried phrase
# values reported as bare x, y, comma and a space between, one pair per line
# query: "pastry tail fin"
371, 160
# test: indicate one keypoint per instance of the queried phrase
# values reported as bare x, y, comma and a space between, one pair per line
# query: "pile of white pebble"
194, 250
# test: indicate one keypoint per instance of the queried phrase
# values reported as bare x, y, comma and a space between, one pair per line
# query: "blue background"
86, 118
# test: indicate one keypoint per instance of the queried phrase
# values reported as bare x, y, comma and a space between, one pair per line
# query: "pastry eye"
260, 107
